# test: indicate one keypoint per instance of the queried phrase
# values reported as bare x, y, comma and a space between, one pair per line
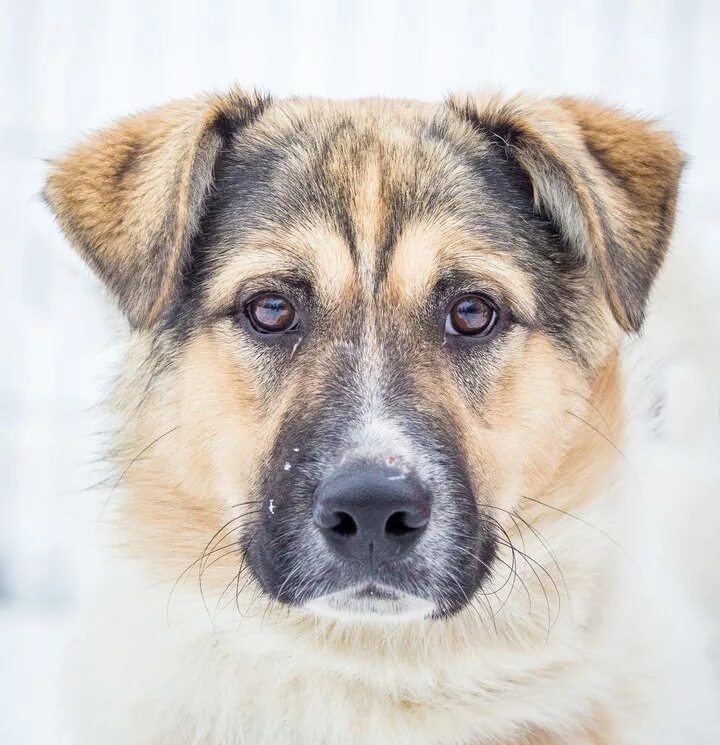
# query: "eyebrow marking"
426, 251
500, 271
251, 265
315, 254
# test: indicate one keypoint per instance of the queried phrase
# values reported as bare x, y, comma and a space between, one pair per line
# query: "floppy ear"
131, 197
608, 182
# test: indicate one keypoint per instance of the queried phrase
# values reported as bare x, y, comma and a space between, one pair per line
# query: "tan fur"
128, 197
543, 444
424, 247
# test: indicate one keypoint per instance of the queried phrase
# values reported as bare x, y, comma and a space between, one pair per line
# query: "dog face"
364, 332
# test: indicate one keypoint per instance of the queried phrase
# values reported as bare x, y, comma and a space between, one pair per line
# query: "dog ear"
130, 198
607, 181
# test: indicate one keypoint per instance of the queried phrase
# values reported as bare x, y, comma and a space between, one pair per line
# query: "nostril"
345, 525
368, 515
401, 523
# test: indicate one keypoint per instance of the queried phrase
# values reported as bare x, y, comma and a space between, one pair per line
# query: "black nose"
372, 515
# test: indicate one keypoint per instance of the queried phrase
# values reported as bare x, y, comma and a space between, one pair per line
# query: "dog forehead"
336, 188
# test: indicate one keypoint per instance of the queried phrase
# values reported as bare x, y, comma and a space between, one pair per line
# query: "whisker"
514, 516
530, 562
580, 520
135, 460
590, 403
513, 569
240, 571
224, 592
604, 437
184, 573
204, 554
217, 537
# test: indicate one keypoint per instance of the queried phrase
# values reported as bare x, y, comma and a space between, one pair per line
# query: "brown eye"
472, 315
271, 314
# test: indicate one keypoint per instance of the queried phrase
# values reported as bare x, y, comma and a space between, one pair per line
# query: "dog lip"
376, 592
372, 601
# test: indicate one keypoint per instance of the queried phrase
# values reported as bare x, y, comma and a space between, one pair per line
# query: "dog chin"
371, 603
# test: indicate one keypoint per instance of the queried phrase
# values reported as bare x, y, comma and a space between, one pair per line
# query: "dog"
373, 482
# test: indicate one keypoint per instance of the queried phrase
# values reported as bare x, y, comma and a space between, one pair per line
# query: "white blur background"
68, 67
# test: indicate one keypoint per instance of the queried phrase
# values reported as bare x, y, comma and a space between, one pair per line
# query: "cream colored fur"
155, 671
601, 638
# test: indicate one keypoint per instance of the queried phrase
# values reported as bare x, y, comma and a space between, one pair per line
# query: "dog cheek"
221, 414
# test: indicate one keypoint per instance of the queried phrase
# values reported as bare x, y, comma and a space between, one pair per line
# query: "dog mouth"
371, 601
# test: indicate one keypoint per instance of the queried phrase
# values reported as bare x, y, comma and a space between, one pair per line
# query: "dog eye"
472, 315
271, 314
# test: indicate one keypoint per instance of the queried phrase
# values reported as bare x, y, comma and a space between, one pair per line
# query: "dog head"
363, 333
